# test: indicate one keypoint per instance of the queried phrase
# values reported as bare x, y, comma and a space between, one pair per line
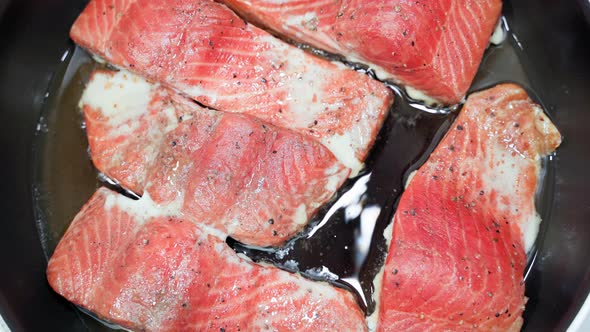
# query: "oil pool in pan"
344, 242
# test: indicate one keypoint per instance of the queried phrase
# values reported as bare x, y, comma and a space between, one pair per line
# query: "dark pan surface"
34, 37
554, 59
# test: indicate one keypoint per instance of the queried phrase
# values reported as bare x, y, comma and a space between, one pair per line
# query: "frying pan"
555, 56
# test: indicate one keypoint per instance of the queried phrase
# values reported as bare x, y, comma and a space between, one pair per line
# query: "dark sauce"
344, 242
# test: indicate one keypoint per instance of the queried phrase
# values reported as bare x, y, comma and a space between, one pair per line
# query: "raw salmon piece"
127, 120
431, 46
457, 256
254, 181
204, 50
133, 264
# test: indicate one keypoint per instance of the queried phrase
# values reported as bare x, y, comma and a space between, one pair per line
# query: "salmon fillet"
256, 182
457, 256
434, 47
204, 50
133, 264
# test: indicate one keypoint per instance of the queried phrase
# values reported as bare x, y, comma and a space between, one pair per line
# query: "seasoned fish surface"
207, 52
457, 253
434, 47
256, 182
133, 264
